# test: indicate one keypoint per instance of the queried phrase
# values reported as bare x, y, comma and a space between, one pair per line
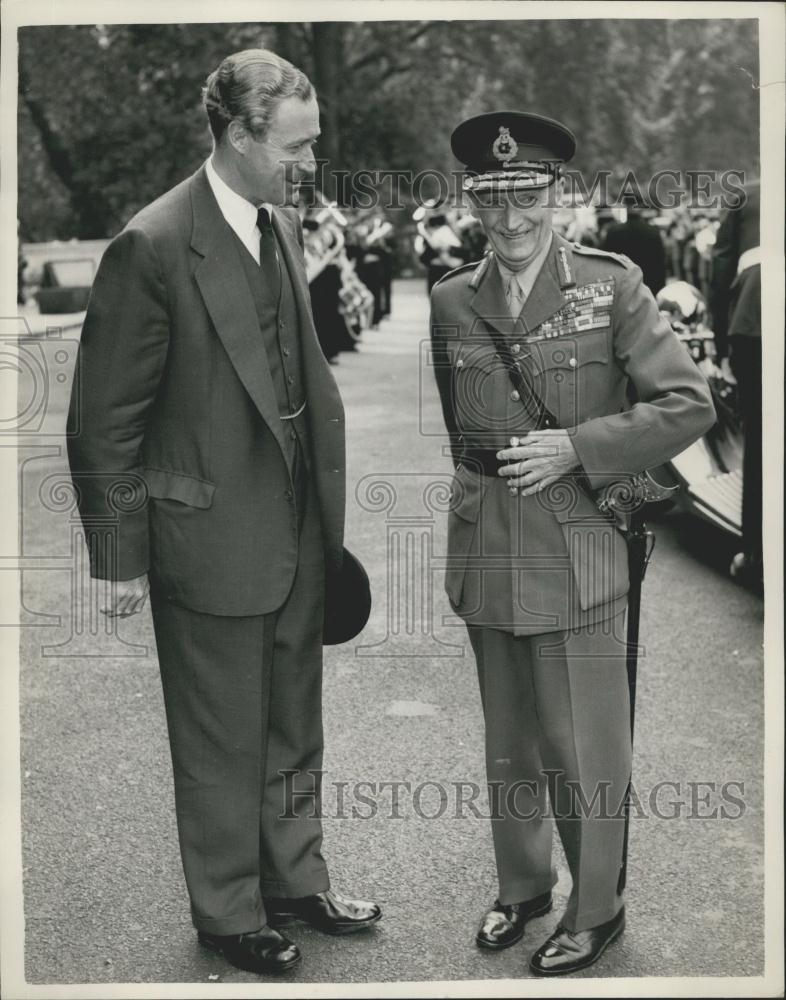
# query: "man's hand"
126, 597
537, 460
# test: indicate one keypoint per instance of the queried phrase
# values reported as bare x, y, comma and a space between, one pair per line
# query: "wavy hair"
247, 87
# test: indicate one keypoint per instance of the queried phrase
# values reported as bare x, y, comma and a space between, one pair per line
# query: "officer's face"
273, 168
517, 224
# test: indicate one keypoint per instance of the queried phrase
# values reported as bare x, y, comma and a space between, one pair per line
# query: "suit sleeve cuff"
118, 551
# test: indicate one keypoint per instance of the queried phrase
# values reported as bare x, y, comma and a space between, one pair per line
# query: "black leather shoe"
327, 911
264, 951
567, 951
504, 923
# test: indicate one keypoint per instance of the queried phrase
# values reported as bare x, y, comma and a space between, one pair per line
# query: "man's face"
274, 167
517, 223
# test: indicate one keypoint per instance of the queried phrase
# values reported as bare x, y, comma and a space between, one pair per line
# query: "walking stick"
639, 552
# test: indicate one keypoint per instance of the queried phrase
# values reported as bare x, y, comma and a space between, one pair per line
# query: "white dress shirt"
239, 213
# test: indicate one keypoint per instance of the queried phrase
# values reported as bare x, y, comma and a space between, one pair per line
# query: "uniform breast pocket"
481, 388
571, 372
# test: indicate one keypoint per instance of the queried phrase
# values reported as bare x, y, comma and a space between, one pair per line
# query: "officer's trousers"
243, 698
557, 716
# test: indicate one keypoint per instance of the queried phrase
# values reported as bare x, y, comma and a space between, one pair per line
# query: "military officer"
536, 571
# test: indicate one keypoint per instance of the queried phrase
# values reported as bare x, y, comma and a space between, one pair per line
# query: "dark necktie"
268, 256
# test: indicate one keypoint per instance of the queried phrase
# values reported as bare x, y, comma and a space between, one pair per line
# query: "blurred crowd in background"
352, 256
110, 116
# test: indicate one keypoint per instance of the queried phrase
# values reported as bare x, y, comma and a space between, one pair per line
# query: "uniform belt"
748, 259
482, 460
298, 411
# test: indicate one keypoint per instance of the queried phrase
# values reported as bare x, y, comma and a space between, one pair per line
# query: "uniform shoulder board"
478, 266
596, 252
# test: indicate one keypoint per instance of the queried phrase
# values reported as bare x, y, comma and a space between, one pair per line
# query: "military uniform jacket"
589, 338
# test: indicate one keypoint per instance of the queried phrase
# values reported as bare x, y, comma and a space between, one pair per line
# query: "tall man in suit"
537, 572
207, 451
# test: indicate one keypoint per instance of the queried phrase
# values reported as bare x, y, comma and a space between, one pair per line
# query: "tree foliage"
110, 115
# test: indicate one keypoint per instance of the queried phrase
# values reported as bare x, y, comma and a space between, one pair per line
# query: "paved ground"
104, 897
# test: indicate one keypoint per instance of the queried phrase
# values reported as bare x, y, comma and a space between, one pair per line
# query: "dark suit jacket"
735, 300
176, 446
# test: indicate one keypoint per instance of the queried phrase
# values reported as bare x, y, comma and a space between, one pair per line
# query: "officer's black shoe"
504, 923
568, 951
264, 951
327, 911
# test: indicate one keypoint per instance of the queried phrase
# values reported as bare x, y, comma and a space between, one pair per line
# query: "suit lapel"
316, 372
324, 409
229, 302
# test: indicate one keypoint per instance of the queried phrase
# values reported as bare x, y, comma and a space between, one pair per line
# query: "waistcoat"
274, 300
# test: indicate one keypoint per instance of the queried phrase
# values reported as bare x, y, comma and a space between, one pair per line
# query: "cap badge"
505, 146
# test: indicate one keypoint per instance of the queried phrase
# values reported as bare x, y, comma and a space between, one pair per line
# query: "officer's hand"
126, 597
537, 460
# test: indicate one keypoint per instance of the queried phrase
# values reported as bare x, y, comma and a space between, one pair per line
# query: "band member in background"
438, 246
341, 304
370, 263
202, 399
379, 241
537, 572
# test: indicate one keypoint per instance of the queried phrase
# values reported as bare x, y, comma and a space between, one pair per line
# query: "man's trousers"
557, 717
243, 699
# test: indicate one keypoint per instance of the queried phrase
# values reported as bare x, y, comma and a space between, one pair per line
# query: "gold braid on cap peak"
508, 180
